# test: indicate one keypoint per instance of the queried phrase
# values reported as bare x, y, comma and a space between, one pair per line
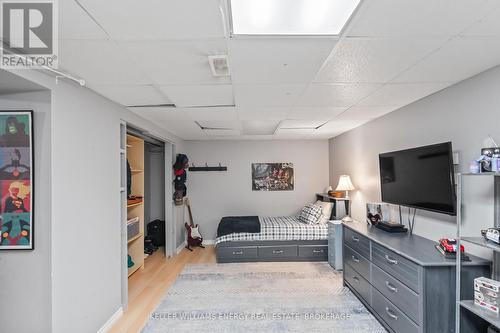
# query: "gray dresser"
403, 280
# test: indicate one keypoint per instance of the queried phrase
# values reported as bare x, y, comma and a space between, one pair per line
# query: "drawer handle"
237, 253
391, 287
317, 251
355, 278
391, 314
354, 238
390, 260
277, 251
354, 258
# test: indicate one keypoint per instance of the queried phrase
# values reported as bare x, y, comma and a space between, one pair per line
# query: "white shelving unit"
488, 316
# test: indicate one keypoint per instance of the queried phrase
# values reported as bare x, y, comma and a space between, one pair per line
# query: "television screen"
421, 178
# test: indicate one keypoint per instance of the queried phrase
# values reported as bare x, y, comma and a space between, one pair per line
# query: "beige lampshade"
345, 184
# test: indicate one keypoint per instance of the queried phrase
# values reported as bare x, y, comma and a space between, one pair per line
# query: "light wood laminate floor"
148, 286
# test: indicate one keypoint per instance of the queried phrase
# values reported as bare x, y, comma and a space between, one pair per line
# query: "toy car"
450, 245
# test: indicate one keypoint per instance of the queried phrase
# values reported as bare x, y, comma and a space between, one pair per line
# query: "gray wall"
217, 194
25, 284
464, 114
85, 223
154, 183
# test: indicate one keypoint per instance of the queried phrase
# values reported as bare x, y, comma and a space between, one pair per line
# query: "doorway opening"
147, 217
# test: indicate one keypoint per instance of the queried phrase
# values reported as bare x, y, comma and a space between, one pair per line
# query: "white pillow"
327, 208
310, 214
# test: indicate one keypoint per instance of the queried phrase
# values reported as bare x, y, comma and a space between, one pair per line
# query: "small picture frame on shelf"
377, 212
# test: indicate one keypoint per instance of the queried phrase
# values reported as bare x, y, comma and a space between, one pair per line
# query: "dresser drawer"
358, 283
394, 317
244, 252
357, 261
400, 295
278, 251
401, 268
357, 242
313, 251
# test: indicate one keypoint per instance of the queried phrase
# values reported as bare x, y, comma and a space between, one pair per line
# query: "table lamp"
345, 184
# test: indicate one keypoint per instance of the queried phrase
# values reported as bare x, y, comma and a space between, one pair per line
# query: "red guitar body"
194, 237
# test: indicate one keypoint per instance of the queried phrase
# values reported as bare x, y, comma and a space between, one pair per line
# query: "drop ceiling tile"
132, 94
364, 113
276, 95
375, 60
131, 19
283, 60
487, 26
337, 127
75, 23
300, 124
262, 113
292, 134
215, 113
174, 121
416, 17
459, 59
336, 95
222, 133
176, 62
315, 113
220, 124
200, 95
259, 127
401, 94
99, 62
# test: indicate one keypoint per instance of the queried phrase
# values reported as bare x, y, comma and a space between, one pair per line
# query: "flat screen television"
420, 178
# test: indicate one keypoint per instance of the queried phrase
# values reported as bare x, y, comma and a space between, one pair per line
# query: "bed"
279, 239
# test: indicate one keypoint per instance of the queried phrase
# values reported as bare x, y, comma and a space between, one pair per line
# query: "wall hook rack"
207, 168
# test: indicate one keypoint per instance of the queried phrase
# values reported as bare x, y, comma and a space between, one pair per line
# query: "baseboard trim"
180, 247
184, 244
111, 321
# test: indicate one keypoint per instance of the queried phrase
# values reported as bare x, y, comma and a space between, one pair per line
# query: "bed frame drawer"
313, 251
244, 252
278, 251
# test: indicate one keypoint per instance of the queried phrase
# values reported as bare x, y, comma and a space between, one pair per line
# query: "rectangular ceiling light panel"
290, 17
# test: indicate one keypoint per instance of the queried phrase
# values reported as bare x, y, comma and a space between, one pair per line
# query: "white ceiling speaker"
219, 65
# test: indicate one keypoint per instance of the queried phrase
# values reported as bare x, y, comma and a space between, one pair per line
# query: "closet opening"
147, 212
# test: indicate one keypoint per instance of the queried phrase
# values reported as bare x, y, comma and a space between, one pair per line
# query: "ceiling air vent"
219, 65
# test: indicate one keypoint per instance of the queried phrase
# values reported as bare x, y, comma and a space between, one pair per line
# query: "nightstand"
335, 244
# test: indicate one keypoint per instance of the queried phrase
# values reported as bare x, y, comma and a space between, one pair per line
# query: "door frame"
170, 214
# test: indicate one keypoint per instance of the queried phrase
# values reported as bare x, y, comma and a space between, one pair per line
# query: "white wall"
464, 114
25, 284
85, 205
217, 194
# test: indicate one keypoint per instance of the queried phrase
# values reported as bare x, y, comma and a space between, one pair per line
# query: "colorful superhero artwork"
16, 179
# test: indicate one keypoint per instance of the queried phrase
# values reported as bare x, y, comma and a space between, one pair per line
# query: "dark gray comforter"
233, 224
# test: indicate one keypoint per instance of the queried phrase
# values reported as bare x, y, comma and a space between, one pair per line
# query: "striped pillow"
311, 214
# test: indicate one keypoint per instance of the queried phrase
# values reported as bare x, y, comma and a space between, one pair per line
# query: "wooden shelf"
490, 316
481, 241
135, 238
137, 171
135, 204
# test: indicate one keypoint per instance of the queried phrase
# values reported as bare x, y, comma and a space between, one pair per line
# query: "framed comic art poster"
16, 180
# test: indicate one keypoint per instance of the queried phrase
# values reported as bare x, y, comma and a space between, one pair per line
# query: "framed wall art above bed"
16, 180
272, 177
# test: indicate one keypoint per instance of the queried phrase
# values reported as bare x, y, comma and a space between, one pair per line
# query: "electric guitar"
194, 238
